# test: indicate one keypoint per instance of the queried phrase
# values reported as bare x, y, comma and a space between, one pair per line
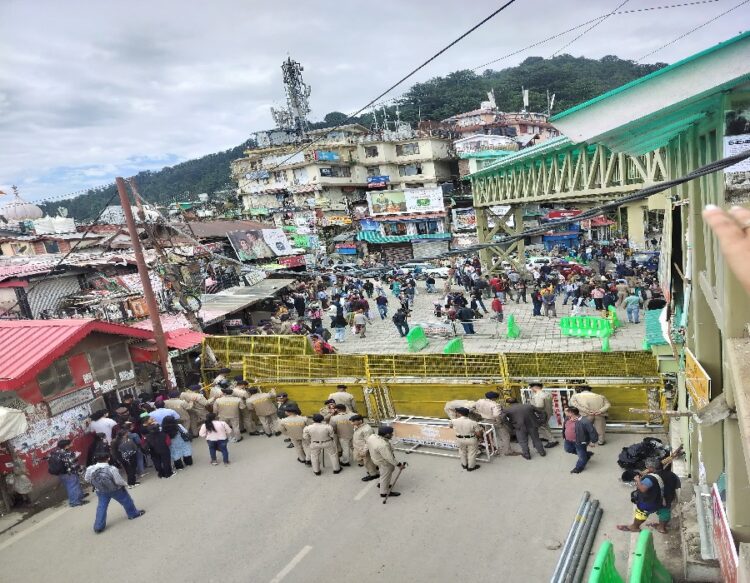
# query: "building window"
51, 247
371, 151
55, 379
416, 184
410, 170
394, 228
373, 170
111, 363
407, 149
280, 176
427, 227
336, 172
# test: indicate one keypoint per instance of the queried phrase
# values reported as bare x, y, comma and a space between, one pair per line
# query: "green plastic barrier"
613, 317
646, 566
604, 570
416, 339
588, 327
513, 329
455, 346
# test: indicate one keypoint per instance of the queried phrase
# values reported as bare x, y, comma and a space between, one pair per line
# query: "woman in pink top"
217, 435
598, 293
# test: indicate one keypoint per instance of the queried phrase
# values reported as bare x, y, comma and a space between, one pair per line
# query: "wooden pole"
148, 292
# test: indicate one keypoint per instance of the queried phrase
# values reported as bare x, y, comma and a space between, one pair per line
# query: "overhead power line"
590, 28
692, 30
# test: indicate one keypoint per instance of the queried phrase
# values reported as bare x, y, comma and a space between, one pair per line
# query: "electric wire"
590, 28
692, 30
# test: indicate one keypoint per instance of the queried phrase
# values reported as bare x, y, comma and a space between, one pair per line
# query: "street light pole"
148, 292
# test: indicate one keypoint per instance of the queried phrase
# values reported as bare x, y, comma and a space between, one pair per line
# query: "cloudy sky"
91, 90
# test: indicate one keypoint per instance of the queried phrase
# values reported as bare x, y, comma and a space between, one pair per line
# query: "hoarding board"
412, 200
259, 244
697, 381
464, 219
723, 539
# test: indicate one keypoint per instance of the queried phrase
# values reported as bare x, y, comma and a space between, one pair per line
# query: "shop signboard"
723, 540
697, 381
259, 244
563, 214
378, 181
325, 156
293, 261
464, 219
412, 200
346, 248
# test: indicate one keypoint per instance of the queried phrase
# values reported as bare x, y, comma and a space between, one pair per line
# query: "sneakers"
214, 463
81, 503
140, 513
134, 485
575, 471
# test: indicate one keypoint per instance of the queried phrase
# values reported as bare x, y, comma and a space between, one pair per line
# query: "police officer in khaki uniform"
328, 410
342, 397
543, 402
451, 406
293, 426
227, 408
246, 415
319, 437
344, 430
466, 436
264, 405
381, 452
489, 409
197, 409
181, 407
220, 381
593, 406
362, 431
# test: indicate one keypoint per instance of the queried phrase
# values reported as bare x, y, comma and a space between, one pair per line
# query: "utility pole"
148, 292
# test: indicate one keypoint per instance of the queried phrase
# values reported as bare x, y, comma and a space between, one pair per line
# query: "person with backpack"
63, 463
108, 484
125, 452
655, 492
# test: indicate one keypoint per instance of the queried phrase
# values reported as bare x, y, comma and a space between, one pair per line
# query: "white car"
424, 269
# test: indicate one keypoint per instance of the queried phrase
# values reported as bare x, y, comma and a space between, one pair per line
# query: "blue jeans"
430, 288
122, 497
468, 327
580, 450
339, 335
633, 313
481, 303
383, 310
221, 445
403, 329
73, 487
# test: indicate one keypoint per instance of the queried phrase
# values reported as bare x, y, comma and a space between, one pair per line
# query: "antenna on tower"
294, 117
550, 103
525, 93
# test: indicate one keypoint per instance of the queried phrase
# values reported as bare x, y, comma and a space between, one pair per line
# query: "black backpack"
127, 449
103, 481
55, 464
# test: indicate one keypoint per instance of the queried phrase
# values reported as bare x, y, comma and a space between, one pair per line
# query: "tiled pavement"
538, 334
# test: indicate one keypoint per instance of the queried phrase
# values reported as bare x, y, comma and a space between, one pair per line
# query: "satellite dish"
62, 211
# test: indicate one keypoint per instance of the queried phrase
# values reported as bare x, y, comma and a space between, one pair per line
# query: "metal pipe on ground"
571, 533
584, 560
581, 520
575, 554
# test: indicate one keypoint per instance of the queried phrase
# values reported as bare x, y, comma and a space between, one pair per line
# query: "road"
267, 518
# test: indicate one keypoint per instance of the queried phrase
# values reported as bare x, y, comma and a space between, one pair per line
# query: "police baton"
390, 489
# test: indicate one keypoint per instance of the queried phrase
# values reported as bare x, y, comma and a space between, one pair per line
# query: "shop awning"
181, 339
377, 238
217, 306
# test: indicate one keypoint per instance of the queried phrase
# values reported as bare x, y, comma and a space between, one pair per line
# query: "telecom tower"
294, 117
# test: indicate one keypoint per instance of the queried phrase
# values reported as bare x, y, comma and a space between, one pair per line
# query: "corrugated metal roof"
29, 346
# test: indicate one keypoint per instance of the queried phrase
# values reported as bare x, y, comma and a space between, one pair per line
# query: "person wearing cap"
197, 409
451, 406
344, 430
543, 403
490, 411
240, 389
328, 409
342, 397
381, 452
293, 426
227, 409
176, 403
362, 431
467, 431
264, 406
319, 437
219, 381
592, 406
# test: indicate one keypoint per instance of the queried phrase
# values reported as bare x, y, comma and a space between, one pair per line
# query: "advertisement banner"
326, 156
464, 219
412, 200
293, 261
378, 181
259, 244
723, 539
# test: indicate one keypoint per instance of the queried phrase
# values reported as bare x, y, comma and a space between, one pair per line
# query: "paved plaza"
538, 334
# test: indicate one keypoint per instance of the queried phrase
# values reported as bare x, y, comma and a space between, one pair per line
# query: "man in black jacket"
578, 433
655, 492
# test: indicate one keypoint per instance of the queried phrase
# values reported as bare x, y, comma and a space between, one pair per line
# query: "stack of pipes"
575, 552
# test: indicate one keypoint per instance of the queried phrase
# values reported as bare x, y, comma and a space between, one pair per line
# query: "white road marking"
37, 526
363, 492
292, 564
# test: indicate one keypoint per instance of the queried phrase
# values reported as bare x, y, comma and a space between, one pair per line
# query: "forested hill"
572, 80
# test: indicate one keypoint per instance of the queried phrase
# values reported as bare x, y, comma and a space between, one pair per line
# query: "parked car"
647, 259
421, 269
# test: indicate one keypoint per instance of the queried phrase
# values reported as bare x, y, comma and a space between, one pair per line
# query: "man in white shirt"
101, 423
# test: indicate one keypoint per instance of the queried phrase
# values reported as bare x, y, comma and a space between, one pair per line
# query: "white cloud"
92, 89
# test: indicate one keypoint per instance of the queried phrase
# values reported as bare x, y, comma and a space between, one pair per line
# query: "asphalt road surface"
267, 518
